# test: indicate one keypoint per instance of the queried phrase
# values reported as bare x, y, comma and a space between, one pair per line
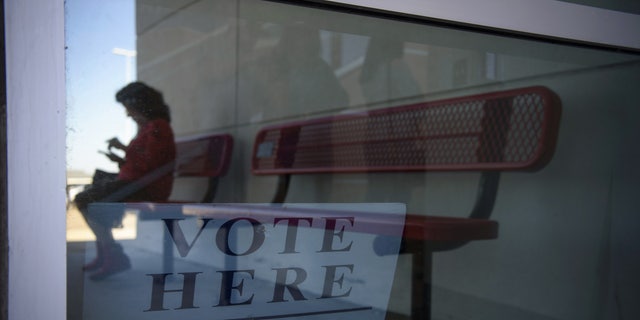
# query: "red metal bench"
202, 157
513, 130
206, 157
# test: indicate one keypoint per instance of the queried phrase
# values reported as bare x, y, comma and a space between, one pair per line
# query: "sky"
94, 74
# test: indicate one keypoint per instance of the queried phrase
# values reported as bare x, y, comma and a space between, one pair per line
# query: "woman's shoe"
97, 261
115, 261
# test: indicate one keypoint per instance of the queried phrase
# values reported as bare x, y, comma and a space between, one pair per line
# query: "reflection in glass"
564, 249
146, 174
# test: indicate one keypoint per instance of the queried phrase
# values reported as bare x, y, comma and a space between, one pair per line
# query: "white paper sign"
241, 261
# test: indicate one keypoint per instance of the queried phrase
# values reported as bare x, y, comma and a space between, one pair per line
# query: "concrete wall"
565, 232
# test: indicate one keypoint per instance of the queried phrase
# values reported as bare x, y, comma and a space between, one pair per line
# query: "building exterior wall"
581, 206
225, 66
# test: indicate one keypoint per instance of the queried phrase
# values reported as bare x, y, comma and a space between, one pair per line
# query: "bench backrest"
507, 130
207, 156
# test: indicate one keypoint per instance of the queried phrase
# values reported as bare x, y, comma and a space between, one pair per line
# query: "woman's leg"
110, 258
82, 201
101, 228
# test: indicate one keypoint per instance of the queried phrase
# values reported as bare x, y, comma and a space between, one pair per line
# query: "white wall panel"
550, 18
36, 159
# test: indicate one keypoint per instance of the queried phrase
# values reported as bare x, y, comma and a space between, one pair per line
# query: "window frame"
37, 126
563, 21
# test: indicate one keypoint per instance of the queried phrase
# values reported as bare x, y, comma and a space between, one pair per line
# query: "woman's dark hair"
144, 99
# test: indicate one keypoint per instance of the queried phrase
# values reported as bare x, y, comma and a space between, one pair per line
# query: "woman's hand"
115, 158
115, 143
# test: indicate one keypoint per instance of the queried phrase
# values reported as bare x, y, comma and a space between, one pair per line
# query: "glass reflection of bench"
200, 157
512, 130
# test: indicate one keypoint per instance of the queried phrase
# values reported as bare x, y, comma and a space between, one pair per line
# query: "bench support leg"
420, 280
167, 248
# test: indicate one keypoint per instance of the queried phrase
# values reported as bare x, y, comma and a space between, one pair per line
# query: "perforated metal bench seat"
509, 130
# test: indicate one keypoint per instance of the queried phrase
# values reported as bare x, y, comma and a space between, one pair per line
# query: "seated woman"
149, 156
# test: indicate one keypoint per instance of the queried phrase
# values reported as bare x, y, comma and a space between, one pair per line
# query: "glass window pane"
353, 112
